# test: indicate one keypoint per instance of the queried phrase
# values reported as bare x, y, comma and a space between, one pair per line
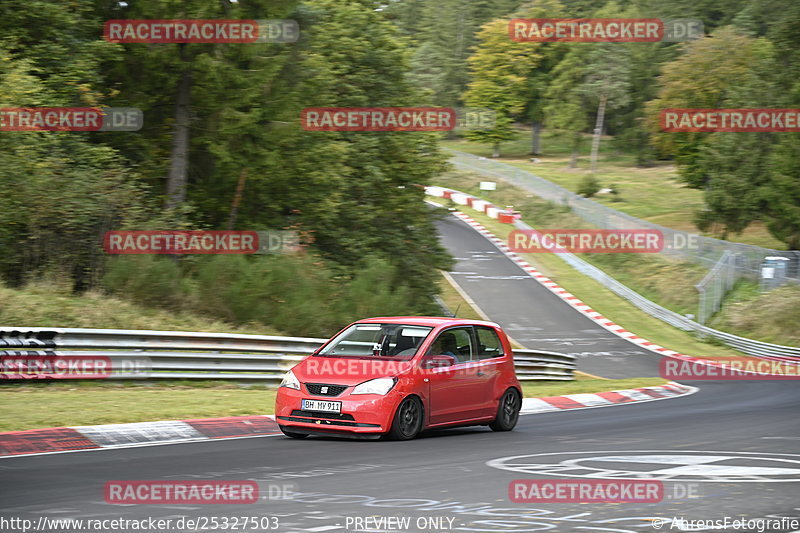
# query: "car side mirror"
437, 361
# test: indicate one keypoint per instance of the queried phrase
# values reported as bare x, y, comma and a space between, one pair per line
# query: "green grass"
653, 276
48, 304
609, 304
583, 384
652, 193
81, 403
770, 317
57, 404
455, 301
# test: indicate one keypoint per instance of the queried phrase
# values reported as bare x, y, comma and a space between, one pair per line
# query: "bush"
615, 196
588, 186
146, 279
299, 294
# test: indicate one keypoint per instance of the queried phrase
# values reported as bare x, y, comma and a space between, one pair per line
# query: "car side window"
456, 342
488, 343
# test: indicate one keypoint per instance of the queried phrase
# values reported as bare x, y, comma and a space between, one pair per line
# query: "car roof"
432, 321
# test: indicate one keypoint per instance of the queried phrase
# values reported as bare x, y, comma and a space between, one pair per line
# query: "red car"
395, 376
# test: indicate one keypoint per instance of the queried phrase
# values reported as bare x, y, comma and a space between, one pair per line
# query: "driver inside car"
446, 344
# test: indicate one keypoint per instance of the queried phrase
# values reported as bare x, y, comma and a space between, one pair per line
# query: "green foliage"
60, 192
500, 69
298, 294
782, 194
615, 193
726, 70
588, 186
445, 32
745, 176
353, 195
146, 280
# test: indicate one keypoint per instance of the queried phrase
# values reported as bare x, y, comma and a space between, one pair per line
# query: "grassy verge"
609, 304
770, 317
42, 405
658, 278
51, 305
455, 302
653, 193
582, 384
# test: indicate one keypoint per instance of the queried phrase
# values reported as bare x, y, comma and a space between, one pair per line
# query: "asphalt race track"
731, 449
534, 316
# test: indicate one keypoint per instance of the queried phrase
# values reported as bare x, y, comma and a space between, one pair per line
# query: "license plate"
322, 405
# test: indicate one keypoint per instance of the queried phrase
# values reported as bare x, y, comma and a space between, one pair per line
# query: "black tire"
507, 411
292, 434
407, 421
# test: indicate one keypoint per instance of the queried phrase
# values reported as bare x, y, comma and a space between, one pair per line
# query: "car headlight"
290, 381
375, 386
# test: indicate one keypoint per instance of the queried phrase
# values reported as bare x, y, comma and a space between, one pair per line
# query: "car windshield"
395, 341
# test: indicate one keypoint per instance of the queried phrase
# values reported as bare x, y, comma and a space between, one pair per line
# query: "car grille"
330, 390
324, 419
320, 414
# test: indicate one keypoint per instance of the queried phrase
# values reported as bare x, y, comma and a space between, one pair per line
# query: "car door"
489, 358
455, 392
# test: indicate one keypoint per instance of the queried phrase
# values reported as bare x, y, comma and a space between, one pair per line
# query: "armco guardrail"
752, 347
139, 354
707, 252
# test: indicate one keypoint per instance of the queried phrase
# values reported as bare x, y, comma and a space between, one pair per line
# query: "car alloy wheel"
408, 420
507, 411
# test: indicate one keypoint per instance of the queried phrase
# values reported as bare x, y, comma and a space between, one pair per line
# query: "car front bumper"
362, 414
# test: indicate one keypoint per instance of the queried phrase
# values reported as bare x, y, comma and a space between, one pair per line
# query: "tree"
565, 102
725, 70
202, 102
592, 76
61, 192
541, 76
500, 69
745, 176
444, 32
782, 196
607, 82
357, 191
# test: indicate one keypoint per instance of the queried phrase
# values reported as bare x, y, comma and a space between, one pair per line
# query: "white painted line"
536, 405
635, 395
572, 301
145, 445
590, 400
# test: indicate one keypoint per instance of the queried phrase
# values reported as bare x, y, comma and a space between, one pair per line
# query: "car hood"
347, 371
